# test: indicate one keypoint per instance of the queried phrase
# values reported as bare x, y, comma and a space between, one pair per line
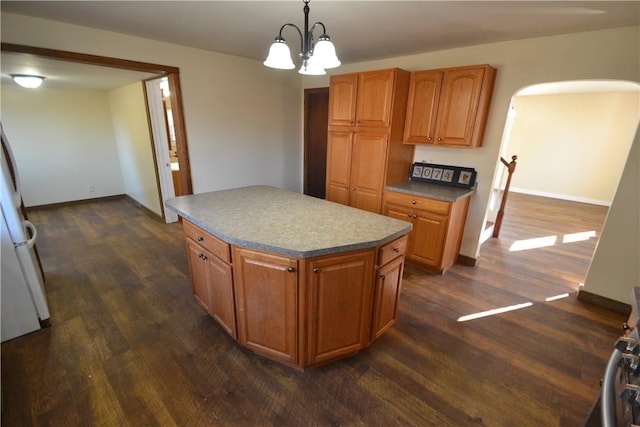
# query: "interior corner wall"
573, 146
615, 266
131, 128
243, 120
63, 143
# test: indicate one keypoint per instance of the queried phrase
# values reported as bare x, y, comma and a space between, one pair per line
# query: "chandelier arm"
324, 30
299, 33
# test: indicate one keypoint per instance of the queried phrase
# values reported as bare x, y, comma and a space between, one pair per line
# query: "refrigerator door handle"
34, 233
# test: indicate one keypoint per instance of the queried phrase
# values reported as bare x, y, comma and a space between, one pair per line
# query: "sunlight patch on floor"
546, 241
494, 311
578, 237
557, 297
506, 309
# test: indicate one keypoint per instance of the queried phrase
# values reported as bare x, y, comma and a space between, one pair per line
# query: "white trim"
560, 196
156, 116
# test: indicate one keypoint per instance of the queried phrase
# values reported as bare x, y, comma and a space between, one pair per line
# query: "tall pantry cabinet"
364, 142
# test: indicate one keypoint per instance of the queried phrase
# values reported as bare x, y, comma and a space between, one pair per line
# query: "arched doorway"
572, 140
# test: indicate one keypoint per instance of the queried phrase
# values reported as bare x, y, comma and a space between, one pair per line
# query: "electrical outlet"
91, 188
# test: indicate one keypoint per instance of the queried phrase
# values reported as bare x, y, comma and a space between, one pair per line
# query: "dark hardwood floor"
129, 346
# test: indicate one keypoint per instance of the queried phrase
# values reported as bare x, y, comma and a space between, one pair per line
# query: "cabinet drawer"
415, 202
392, 250
211, 243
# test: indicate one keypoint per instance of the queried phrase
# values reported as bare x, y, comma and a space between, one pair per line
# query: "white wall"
243, 121
572, 146
131, 128
615, 266
608, 54
63, 142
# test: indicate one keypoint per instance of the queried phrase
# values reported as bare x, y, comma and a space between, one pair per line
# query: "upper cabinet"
449, 107
365, 150
362, 99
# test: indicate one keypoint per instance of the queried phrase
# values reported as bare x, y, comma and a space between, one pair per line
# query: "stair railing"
511, 167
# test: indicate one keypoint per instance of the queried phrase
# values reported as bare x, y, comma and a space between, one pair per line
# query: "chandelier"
315, 57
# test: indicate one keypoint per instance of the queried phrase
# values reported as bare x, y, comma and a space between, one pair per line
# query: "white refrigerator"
23, 299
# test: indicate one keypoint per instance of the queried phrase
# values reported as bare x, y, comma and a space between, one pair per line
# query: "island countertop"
284, 222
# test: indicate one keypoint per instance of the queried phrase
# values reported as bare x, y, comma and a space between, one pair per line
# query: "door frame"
172, 73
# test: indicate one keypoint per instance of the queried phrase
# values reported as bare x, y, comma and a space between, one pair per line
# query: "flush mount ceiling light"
315, 57
27, 81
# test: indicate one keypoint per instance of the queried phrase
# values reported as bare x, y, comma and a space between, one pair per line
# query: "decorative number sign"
441, 174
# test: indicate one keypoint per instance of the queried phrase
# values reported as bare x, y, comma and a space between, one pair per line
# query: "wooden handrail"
511, 167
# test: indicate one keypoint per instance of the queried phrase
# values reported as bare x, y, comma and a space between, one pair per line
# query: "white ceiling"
361, 30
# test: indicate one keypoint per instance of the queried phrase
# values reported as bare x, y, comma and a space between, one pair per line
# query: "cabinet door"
339, 292
267, 303
429, 232
422, 107
402, 214
367, 170
459, 101
375, 93
387, 294
199, 274
342, 99
221, 294
339, 147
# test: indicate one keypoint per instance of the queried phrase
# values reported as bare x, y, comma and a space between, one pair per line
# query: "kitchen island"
300, 280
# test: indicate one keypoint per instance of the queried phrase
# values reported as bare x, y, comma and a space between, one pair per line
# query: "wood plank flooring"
129, 346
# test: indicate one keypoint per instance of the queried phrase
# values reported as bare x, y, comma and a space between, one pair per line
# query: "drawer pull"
396, 250
382, 276
291, 269
200, 239
316, 270
413, 202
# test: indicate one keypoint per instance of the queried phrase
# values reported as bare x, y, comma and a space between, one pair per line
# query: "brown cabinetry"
364, 143
449, 106
211, 275
437, 227
339, 292
299, 311
388, 285
267, 303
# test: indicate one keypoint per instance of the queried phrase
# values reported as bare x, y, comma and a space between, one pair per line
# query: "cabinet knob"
439, 138
200, 238
430, 138
358, 122
291, 269
409, 215
396, 250
415, 216
413, 202
202, 256
316, 270
353, 188
382, 276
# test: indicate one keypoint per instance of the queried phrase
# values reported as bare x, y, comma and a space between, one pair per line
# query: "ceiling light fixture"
315, 58
27, 81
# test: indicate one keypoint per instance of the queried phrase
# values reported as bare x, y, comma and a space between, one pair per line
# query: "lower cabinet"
212, 285
437, 227
300, 312
267, 303
339, 294
387, 296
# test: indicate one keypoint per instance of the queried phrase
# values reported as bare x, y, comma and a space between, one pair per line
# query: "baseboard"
143, 208
560, 196
466, 261
77, 202
605, 302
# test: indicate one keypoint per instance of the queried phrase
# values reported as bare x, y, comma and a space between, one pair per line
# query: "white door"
161, 144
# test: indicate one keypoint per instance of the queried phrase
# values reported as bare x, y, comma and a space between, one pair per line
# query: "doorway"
316, 112
172, 80
572, 140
